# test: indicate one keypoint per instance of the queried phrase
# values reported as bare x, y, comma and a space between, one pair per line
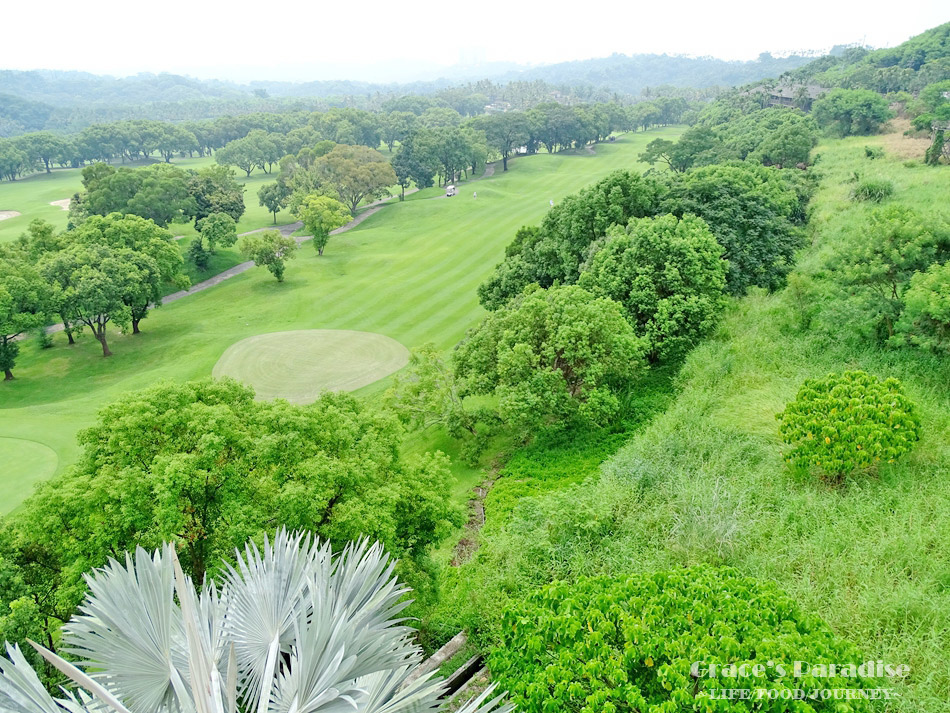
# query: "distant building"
798, 96
497, 107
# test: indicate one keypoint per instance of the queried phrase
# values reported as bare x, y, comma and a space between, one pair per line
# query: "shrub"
847, 423
652, 642
873, 152
873, 190
925, 321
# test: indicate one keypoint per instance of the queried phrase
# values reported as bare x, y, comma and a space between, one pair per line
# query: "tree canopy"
668, 275
557, 354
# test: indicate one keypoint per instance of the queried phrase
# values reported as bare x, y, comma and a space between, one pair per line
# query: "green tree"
851, 112
925, 321
504, 132
877, 262
268, 249
355, 173
216, 190
551, 355
218, 229
413, 164
321, 215
752, 210
41, 146
92, 284
24, 299
273, 196
668, 275
150, 256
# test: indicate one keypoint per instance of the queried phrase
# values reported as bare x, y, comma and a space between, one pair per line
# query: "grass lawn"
301, 364
408, 272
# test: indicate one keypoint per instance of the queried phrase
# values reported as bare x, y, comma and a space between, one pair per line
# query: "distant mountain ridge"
631, 74
618, 73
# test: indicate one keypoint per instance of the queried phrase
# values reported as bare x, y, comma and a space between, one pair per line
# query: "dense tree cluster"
206, 465
257, 141
162, 193
110, 270
910, 66
755, 212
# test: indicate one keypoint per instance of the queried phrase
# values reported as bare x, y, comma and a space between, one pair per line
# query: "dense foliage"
204, 464
754, 212
668, 275
876, 262
848, 423
659, 642
925, 321
851, 112
554, 251
269, 249
558, 354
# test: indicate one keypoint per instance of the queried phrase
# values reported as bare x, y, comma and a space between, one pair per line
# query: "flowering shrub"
847, 423
650, 642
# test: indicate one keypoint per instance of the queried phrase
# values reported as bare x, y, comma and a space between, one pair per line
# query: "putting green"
299, 365
25, 463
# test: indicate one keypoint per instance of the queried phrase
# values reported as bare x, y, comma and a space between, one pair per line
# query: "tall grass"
706, 482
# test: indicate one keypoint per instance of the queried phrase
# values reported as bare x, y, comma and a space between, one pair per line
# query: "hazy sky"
372, 40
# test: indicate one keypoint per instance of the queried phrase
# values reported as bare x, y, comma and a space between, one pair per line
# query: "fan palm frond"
293, 629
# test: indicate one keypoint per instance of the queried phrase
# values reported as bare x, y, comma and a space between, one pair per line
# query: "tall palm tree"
292, 629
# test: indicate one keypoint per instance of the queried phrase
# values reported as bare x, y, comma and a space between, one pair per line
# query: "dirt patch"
468, 543
64, 203
4, 214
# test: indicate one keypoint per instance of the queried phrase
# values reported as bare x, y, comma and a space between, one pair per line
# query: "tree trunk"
69, 330
504, 163
135, 326
101, 336
47, 166
7, 375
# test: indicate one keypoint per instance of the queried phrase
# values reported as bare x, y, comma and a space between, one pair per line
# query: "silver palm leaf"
293, 628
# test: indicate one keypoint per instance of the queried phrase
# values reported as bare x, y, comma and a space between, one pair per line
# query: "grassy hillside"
408, 272
705, 481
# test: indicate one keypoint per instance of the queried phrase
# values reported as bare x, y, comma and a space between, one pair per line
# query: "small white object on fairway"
300, 365
4, 214
64, 203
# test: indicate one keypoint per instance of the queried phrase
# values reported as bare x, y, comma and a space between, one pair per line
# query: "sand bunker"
64, 203
4, 214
